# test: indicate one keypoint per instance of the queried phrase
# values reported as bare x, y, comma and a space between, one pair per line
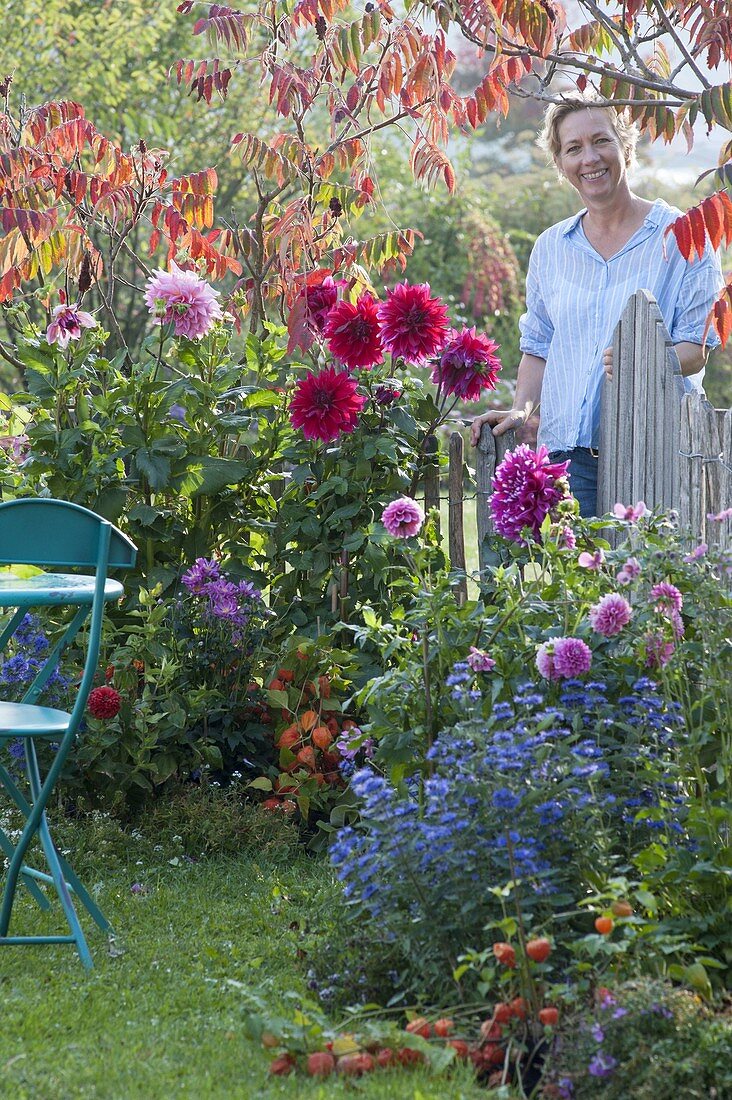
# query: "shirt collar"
653, 217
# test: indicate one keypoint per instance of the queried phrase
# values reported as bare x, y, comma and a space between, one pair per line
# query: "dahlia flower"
545, 661
326, 404
403, 517
479, 661
386, 393
468, 364
610, 614
413, 325
183, 299
319, 300
630, 570
666, 598
572, 657
67, 323
658, 649
104, 702
352, 333
526, 487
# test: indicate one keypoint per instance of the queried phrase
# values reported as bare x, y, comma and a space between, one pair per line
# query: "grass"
164, 1011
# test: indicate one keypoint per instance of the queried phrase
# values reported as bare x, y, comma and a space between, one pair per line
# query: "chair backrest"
46, 532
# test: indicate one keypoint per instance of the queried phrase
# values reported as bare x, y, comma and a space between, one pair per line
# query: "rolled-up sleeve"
535, 326
700, 286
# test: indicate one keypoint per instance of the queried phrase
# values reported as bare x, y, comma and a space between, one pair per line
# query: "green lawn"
163, 1013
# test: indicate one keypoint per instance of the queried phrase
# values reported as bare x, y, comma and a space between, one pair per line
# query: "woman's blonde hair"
555, 114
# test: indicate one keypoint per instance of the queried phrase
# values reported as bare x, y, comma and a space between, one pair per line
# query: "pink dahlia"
566, 539
183, 299
479, 660
352, 333
572, 657
610, 614
67, 323
413, 325
468, 365
658, 649
403, 517
666, 598
326, 404
526, 487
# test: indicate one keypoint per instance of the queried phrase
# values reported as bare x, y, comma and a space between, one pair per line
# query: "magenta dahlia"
610, 614
480, 661
413, 325
326, 404
403, 517
666, 598
658, 649
468, 365
183, 299
319, 300
545, 661
572, 657
67, 323
526, 487
352, 333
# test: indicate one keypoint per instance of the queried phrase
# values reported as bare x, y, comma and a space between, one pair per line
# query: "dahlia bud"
321, 27
335, 207
386, 393
85, 274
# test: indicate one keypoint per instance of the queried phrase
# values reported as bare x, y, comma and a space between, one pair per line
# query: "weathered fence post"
456, 535
490, 452
432, 475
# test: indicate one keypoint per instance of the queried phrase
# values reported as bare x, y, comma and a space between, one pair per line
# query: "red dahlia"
319, 300
413, 325
468, 364
326, 404
104, 702
352, 333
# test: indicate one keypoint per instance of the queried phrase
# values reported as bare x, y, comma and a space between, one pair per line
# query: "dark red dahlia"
352, 333
104, 702
319, 300
326, 404
468, 364
413, 325
525, 489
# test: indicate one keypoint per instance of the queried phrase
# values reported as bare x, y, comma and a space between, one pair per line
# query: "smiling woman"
582, 272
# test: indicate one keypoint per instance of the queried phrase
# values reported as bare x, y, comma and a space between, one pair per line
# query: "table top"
49, 589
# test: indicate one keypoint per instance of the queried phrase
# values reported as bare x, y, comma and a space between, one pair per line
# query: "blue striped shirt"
574, 299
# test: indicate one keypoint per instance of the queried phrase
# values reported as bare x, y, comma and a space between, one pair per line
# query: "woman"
582, 272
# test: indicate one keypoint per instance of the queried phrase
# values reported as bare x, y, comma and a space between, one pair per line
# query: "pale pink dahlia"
413, 325
326, 404
526, 487
610, 614
479, 660
403, 517
183, 299
572, 657
67, 323
631, 513
545, 661
352, 333
468, 365
591, 561
666, 598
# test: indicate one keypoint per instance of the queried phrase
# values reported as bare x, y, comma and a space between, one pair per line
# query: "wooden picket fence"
657, 444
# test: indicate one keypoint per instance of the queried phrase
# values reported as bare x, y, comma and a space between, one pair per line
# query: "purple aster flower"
526, 487
610, 614
223, 599
602, 1065
200, 574
403, 517
248, 591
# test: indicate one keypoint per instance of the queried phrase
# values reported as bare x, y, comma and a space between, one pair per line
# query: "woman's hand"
607, 363
502, 420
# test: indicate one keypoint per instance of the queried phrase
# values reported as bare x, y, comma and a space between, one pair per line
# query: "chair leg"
36, 893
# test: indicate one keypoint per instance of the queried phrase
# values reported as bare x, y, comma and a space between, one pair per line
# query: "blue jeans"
582, 473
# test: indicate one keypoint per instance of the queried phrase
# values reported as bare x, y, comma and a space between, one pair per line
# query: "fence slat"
644, 376
456, 537
490, 452
615, 416
432, 475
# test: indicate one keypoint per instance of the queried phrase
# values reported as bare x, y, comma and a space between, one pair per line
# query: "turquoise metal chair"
59, 535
